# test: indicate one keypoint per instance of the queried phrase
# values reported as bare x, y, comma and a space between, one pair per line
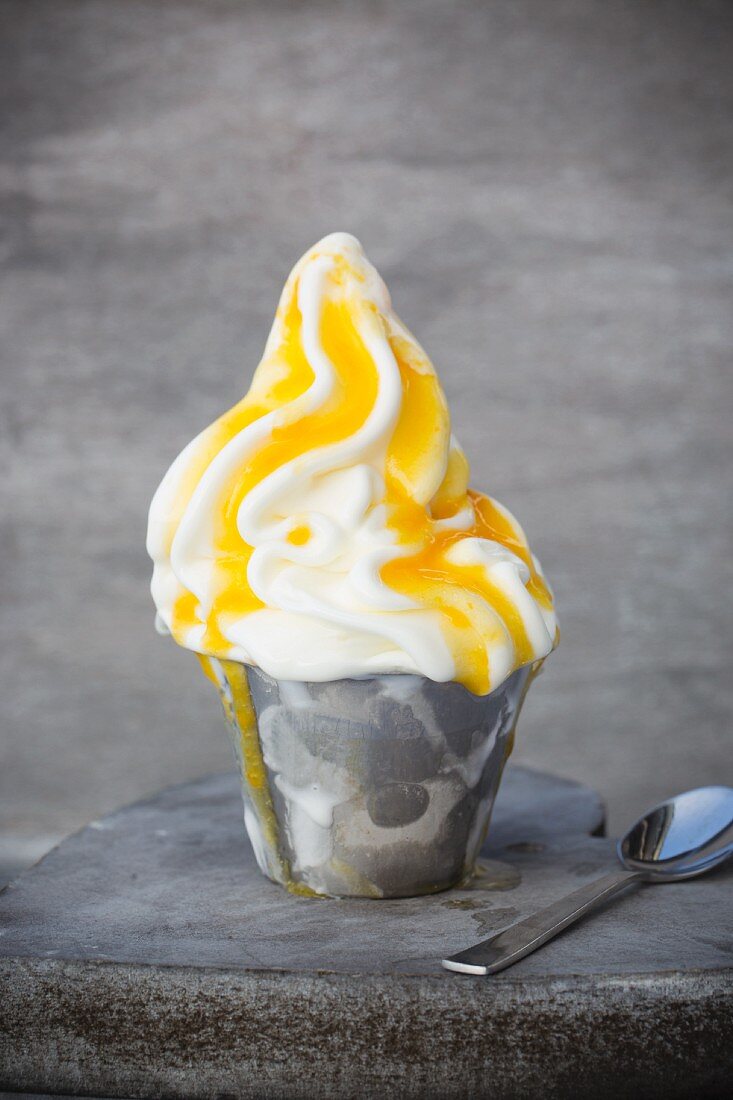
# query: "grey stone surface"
173, 881
546, 188
134, 1031
148, 956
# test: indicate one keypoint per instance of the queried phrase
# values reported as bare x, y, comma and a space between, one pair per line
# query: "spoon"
683, 837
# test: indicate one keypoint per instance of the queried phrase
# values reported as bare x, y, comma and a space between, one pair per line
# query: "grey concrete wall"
545, 187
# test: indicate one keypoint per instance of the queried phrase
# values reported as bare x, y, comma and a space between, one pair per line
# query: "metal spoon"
685, 836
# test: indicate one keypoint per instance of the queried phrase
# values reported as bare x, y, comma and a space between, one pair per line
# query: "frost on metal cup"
380, 787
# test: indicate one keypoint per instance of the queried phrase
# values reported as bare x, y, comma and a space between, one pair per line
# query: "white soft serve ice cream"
323, 528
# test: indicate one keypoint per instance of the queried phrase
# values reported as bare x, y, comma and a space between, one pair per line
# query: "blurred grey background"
546, 188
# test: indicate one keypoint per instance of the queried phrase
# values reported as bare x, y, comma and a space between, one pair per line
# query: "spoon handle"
507, 947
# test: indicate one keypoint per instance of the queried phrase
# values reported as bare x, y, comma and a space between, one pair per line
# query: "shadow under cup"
381, 787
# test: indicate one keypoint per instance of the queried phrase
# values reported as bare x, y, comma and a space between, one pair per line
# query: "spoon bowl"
683, 837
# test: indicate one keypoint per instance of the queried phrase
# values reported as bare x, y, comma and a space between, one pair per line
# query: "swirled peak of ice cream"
323, 528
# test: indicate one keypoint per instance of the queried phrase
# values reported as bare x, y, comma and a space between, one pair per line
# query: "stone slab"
147, 954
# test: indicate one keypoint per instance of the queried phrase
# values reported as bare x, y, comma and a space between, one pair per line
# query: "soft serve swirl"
323, 528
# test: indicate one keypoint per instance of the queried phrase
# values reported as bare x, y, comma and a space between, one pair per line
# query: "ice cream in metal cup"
379, 787
371, 621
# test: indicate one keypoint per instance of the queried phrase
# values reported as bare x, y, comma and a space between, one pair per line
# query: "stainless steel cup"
379, 787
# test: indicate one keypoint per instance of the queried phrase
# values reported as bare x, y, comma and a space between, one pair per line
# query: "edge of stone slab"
135, 1030
146, 799
600, 809
599, 820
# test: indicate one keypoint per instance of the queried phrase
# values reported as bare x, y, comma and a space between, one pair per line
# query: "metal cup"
380, 787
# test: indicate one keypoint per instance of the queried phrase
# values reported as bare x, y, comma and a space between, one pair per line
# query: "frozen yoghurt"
323, 528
